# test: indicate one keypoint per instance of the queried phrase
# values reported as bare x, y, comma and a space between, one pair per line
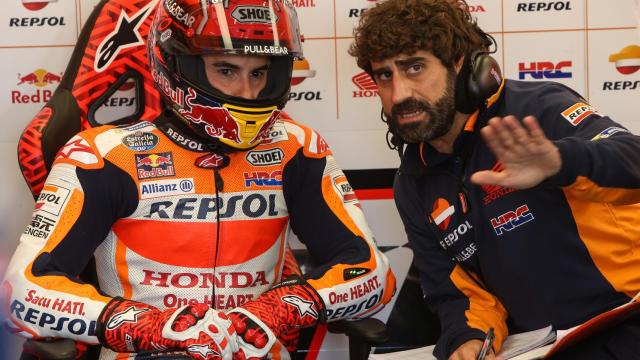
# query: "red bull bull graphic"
154, 165
39, 78
225, 127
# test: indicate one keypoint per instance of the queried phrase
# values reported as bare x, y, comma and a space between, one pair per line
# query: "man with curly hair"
519, 199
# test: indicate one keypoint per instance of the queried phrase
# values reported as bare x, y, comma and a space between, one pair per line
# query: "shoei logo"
441, 213
367, 87
627, 60
39, 78
253, 14
545, 70
265, 157
35, 5
125, 35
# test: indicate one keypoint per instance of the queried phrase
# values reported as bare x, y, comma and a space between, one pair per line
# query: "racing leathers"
519, 260
171, 223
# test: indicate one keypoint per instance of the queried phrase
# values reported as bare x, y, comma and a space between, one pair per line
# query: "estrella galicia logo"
265, 157
140, 141
125, 35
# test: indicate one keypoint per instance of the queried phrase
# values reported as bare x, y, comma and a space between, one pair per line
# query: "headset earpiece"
478, 79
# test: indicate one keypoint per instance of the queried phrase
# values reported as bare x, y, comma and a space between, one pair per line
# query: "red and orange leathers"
168, 232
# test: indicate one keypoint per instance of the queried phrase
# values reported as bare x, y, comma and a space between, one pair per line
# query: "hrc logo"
545, 70
511, 219
263, 178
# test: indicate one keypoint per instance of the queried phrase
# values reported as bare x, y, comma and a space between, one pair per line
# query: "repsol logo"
253, 14
252, 206
620, 85
37, 21
305, 95
43, 319
265, 157
120, 102
453, 236
544, 6
354, 309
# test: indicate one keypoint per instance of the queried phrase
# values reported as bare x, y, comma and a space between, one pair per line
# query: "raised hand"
526, 154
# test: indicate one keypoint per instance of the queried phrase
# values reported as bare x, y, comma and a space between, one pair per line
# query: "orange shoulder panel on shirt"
485, 310
313, 146
611, 234
81, 149
584, 188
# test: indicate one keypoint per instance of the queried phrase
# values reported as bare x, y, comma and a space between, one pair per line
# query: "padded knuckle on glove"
203, 333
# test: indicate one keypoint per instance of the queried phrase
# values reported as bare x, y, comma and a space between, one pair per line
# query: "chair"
102, 66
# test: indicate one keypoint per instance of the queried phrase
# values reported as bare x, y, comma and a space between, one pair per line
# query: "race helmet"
184, 30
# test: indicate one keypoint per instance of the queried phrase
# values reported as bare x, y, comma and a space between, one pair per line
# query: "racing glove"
131, 326
270, 318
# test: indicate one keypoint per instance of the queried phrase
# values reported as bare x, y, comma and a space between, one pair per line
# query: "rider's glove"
271, 317
202, 332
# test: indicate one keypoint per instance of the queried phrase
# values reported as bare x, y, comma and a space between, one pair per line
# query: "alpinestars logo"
128, 316
124, 36
304, 307
202, 350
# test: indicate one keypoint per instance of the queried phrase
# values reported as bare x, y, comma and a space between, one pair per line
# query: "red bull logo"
216, 121
155, 165
35, 5
39, 78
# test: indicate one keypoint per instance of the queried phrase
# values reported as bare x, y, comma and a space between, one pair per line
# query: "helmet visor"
260, 27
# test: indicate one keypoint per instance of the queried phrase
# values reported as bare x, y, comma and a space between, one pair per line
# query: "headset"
478, 79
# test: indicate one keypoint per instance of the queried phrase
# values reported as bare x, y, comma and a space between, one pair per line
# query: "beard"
439, 116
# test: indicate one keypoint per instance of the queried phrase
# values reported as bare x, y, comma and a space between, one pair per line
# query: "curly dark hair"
393, 27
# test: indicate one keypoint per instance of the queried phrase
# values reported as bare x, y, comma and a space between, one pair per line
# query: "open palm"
526, 154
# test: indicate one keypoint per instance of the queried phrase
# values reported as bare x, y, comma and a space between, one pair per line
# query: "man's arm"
466, 310
568, 145
72, 216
